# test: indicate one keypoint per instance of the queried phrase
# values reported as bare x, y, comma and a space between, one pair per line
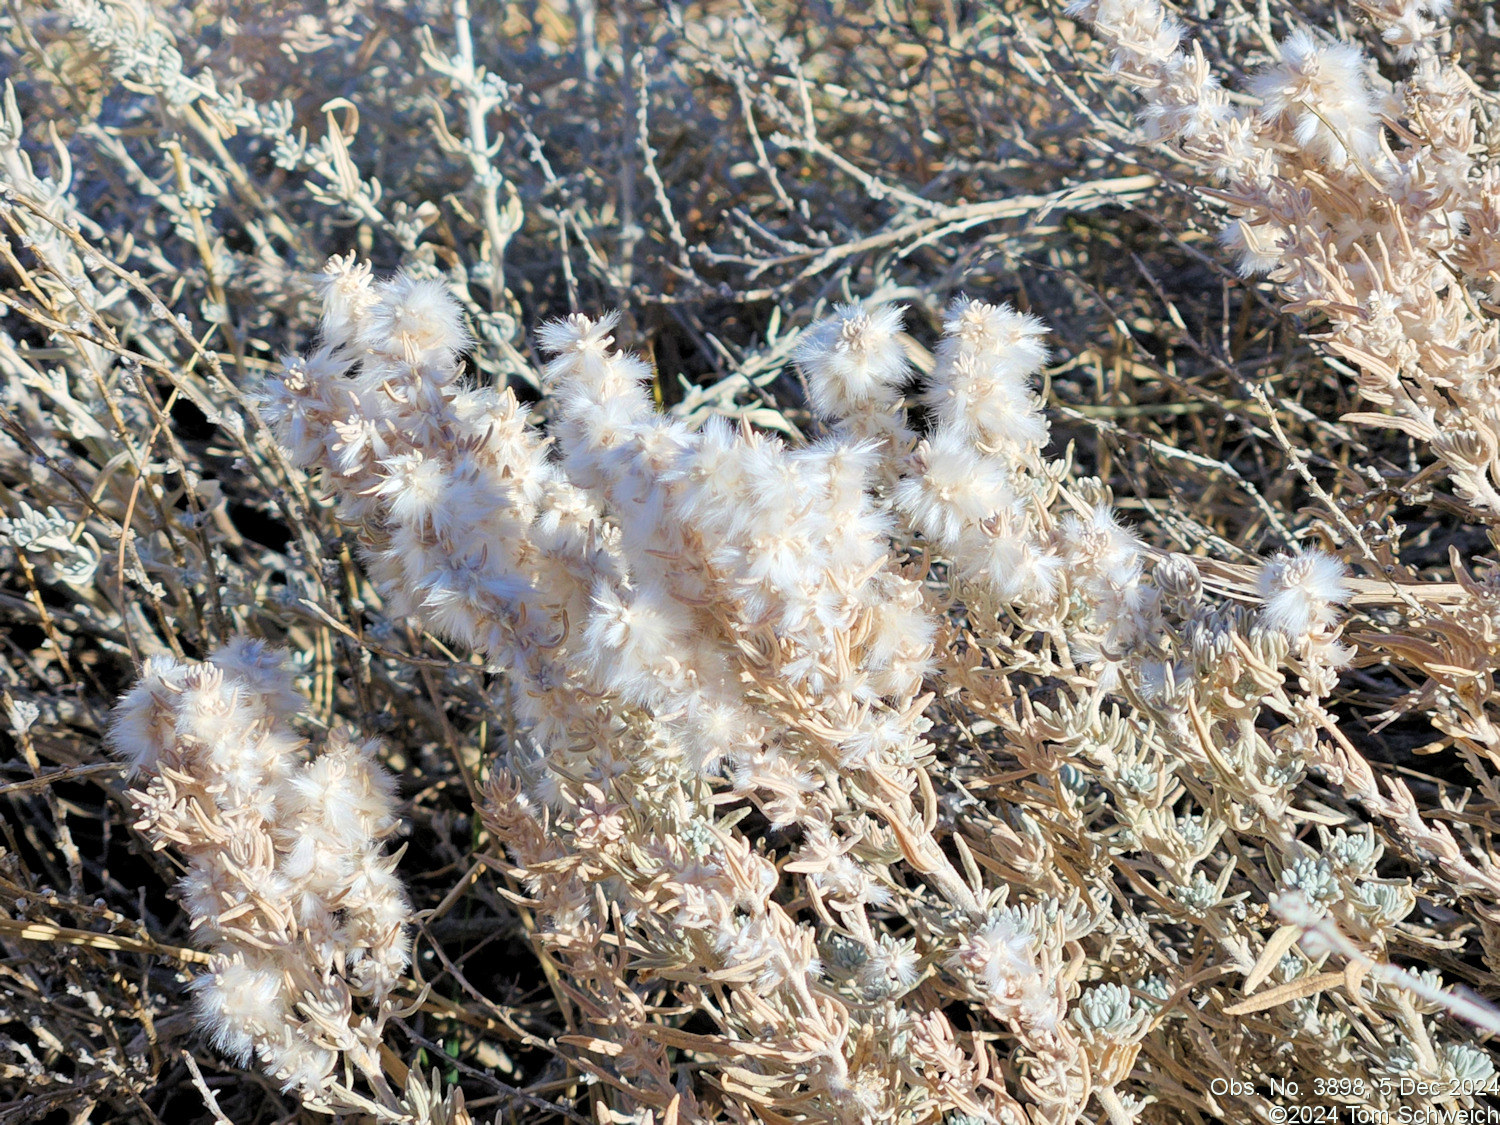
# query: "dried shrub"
976, 602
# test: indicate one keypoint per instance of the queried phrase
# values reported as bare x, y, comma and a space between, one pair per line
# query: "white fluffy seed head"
1320, 88
416, 320
297, 1063
415, 487
343, 796
955, 490
578, 333
1190, 102
854, 360
1018, 570
238, 1003
1013, 340
348, 297
1146, 34
142, 720
599, 391
894, 960
979, 387
1300, 590
1097, 543
1259, 246
630, 639
1002, 957
282, 859
990, 408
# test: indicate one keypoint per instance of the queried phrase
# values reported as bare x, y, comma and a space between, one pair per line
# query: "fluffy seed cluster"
695, 616
287, 881
1301, 591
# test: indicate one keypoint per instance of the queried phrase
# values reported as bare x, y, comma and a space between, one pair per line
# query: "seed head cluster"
287, 880
691, 616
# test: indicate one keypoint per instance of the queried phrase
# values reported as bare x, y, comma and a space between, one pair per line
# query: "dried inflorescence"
694, 617
287, 878
1365, 202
